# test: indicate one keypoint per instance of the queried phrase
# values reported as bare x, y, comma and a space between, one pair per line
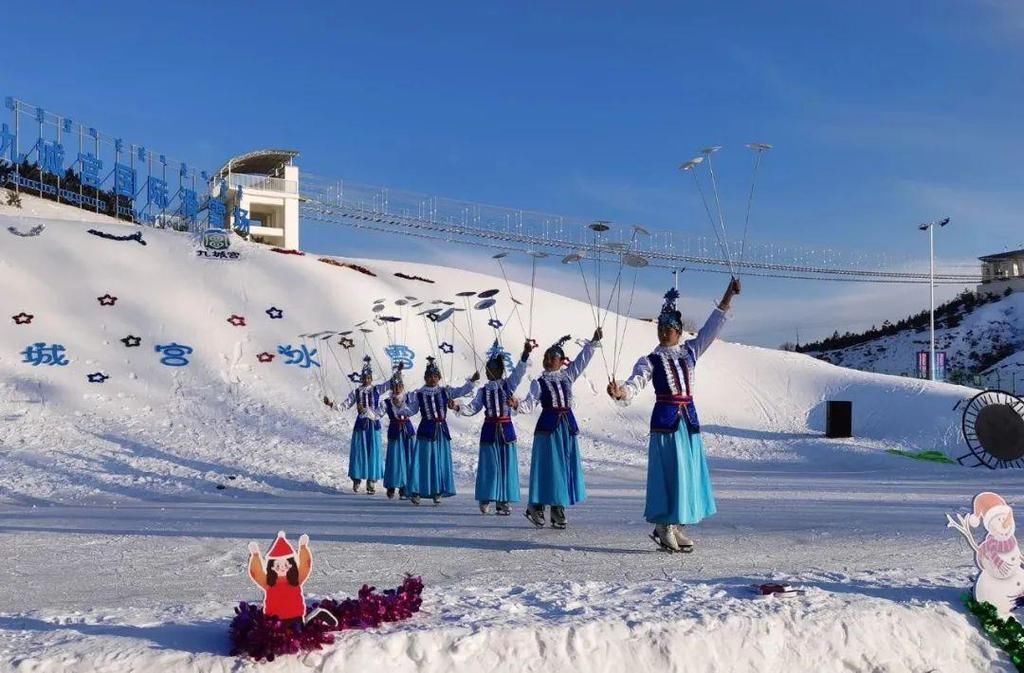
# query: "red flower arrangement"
255, 634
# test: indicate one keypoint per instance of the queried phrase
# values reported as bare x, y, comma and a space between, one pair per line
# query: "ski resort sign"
71, 162
215, 244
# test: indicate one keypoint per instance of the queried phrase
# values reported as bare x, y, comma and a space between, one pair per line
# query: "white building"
1001, 271
265, 183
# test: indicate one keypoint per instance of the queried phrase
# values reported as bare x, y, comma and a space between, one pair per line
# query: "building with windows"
264, 184
1001, 271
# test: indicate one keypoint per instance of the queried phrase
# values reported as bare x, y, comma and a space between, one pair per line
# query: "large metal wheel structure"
993, 427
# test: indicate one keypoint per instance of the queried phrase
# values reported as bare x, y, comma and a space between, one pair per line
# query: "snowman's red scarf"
262, 637
993, 549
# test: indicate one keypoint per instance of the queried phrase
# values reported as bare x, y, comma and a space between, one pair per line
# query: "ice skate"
682, 539
535, 515
664, 538
355, 485
371, 487
558, 518
502, 509
485, 508
391, 494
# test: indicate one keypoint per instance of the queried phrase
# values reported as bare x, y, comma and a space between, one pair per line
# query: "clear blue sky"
883, 114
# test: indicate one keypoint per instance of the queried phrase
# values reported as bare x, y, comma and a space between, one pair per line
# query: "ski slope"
127, 555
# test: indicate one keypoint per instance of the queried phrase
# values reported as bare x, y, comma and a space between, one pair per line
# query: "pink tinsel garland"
262, 637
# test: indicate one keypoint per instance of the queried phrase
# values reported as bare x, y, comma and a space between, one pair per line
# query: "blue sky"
883, 115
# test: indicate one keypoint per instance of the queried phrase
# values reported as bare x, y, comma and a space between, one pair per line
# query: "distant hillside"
982, 335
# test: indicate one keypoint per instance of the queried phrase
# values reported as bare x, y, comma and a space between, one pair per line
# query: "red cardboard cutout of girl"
281, 576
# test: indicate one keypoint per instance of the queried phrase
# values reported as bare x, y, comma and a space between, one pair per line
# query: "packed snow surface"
123, 554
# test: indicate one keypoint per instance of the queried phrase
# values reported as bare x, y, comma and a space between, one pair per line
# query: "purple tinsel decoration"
262, 637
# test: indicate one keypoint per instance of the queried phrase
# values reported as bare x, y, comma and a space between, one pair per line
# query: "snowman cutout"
998, 557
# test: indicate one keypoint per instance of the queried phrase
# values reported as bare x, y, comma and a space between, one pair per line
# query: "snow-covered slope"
235, 415
125, 506
987, 338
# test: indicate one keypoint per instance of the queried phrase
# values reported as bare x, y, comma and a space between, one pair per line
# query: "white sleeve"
532, 400
463, 390
473, 407
707, 334
637, 380
577, 366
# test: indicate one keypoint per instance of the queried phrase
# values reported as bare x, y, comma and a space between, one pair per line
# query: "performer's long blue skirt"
398, 460
556, 471
364, 459
678, 481
431, 471
497, 473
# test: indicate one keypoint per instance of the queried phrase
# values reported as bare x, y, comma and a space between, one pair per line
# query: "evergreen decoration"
1006, 634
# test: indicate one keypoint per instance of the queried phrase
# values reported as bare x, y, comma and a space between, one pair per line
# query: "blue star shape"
275, 313
97, 377
446, 348
347, 343
495, 323
355, 377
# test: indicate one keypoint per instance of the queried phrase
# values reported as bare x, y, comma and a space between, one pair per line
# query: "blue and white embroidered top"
672, 370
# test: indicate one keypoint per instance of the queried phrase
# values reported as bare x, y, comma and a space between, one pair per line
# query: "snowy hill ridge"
980, 335
228, 415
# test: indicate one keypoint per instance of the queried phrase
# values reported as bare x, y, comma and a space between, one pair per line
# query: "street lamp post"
930, 228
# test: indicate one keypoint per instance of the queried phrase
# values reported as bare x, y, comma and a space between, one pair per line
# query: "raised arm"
707, 334
577, 366
472, 407
256, 570
305, 558
463, 390
516, 377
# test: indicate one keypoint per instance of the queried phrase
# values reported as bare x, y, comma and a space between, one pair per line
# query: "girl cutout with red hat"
281, 577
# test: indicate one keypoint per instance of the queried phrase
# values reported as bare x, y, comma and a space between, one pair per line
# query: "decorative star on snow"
97, 377
22, 318
495, 323
346, 343
446, 348
265, 357
237, 320
275, 313
131, 341
107, 300
355, 377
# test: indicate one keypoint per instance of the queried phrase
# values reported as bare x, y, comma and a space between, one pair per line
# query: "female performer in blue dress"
401, 443
497, 472
678, 482
364, 459
556, 469
431, 473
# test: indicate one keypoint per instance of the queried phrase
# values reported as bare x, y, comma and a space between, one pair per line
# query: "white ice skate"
682, 539
663, 536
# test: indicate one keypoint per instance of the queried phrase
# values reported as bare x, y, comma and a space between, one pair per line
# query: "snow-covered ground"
123, 554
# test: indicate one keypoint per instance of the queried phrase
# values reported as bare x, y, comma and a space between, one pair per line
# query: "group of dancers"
417, 462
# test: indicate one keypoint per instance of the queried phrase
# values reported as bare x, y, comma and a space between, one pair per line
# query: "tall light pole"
930, 228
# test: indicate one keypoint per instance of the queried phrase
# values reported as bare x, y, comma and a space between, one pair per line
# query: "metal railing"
263, 182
